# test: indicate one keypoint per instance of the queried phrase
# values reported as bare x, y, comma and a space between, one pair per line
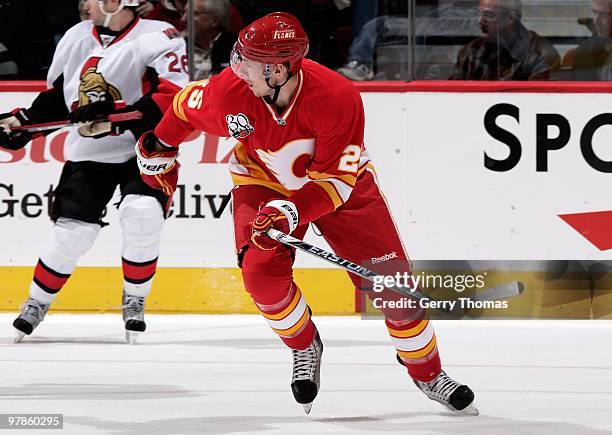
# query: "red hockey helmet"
275, 38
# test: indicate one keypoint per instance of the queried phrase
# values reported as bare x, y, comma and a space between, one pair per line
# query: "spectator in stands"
505, 50
360, 64
438, 32
163, 10
593, 57
392, 30
145, 7
602, 17
362, 11
213, 42
83, 13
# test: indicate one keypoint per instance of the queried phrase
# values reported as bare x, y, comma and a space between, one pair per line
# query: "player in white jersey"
114, 56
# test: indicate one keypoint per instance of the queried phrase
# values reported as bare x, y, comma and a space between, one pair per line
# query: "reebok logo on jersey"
284, 34
107, 40
239, 126
385, 257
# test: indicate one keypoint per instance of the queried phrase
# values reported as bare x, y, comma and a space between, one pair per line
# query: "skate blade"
131, 336
18, 335
307, 407
468, 410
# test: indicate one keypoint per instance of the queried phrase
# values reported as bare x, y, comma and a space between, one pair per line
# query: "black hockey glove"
94, 116
11, 140
93, 111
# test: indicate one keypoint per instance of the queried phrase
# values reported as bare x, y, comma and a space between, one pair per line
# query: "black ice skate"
32, 313
453, 395
306, 373
133, 316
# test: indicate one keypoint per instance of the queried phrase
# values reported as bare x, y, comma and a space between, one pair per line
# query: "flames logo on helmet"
284, 34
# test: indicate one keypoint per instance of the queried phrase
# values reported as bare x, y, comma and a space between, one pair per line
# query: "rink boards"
468, 173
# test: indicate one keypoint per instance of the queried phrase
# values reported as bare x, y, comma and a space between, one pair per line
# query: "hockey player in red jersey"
300, 159
113, 56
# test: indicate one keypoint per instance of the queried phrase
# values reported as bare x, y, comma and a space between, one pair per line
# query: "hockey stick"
56, 125
504, 291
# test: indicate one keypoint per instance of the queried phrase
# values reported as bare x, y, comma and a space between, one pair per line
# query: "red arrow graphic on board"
596, 227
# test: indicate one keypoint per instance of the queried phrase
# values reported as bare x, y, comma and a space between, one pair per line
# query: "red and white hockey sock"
415, 342
46, 283
138, 277
290, 319
70, 239
141, 218
268, 278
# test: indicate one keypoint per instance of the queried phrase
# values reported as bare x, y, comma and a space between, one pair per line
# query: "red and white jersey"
313, 152
147, 58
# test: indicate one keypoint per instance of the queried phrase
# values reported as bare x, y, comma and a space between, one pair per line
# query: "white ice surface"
230, 374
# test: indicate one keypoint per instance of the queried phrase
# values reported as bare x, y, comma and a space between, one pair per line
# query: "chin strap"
277, 89
108, 15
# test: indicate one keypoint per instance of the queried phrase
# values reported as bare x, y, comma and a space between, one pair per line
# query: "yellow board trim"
178, 290
328, 291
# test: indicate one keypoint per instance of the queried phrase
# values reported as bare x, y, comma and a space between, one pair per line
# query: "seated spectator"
439, 34
432, 62
164, 10
505, 50
213, 43
360, 64
592, 59
8, 67
145, 7
83, 13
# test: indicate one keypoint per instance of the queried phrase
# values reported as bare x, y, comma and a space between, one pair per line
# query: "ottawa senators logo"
93, 87
239, 126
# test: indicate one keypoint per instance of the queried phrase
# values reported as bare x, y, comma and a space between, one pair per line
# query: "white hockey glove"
9, 121
9, 139
279, 214
153, 157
